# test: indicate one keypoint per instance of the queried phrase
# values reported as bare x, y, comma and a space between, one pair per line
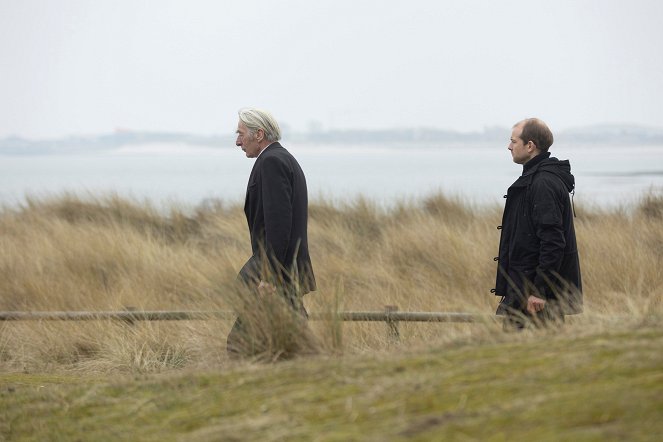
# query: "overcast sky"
94, 66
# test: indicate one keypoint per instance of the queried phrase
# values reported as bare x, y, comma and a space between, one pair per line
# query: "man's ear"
260, 134
531, 147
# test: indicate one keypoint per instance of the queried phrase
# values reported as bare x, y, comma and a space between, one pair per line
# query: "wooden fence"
390, 315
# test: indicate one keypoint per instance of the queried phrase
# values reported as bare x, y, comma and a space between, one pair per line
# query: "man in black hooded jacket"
538, 275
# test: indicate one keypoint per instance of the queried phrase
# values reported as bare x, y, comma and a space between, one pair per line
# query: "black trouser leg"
241, 342
235, 343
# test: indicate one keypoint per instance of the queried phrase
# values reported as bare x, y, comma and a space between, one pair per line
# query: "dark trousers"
241, 342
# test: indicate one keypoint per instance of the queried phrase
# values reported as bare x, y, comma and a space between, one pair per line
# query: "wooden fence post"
128, 319
392, 323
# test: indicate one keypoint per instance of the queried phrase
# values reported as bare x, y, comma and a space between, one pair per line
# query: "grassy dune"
597, 378
568, 385
72, 253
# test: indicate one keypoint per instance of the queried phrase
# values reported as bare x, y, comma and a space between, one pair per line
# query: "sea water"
186, 175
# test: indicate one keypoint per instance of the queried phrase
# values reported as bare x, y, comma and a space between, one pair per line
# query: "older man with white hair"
276, 209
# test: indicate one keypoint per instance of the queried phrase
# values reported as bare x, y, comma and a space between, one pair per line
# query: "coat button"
492, 290
497, 258
499, 227
505, 196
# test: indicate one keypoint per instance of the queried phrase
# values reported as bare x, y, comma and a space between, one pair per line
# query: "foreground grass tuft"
543, 386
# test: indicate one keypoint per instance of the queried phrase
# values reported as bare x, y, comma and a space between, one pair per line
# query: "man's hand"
535, 304
265, 288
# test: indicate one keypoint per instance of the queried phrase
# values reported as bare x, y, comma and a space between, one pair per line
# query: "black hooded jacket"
538, 254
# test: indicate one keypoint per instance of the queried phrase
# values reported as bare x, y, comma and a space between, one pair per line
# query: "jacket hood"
560, 168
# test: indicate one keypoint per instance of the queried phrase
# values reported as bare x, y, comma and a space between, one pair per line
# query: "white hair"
255, 119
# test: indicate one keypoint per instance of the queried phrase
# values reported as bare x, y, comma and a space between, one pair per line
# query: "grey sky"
91, 66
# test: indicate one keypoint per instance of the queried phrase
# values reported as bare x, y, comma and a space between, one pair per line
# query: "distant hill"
592, 135
73, 144
613, 134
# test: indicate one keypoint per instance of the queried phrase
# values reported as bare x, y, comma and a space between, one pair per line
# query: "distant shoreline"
613, 135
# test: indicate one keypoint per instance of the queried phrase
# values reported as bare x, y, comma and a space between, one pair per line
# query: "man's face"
247, 141
521, 152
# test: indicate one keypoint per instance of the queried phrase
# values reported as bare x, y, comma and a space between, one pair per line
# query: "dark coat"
538, 254
276, 209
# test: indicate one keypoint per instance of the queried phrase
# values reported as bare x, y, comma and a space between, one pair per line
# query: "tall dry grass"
111, 253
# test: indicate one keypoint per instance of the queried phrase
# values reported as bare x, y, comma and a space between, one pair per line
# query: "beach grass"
596, 378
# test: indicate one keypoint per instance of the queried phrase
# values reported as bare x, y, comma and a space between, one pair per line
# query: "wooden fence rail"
189, 315
390, 315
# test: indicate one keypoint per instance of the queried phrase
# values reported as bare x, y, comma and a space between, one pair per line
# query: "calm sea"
188, 175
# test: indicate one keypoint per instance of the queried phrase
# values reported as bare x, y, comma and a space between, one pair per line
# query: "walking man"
538, 274
276, 209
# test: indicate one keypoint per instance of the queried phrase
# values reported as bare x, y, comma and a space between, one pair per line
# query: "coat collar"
529, 169
274, 145
532, 165
257, 162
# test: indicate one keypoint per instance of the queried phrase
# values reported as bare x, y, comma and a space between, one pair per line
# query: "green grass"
567, 385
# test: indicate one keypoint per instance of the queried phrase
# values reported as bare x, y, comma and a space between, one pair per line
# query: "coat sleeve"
547, 216
277, 208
